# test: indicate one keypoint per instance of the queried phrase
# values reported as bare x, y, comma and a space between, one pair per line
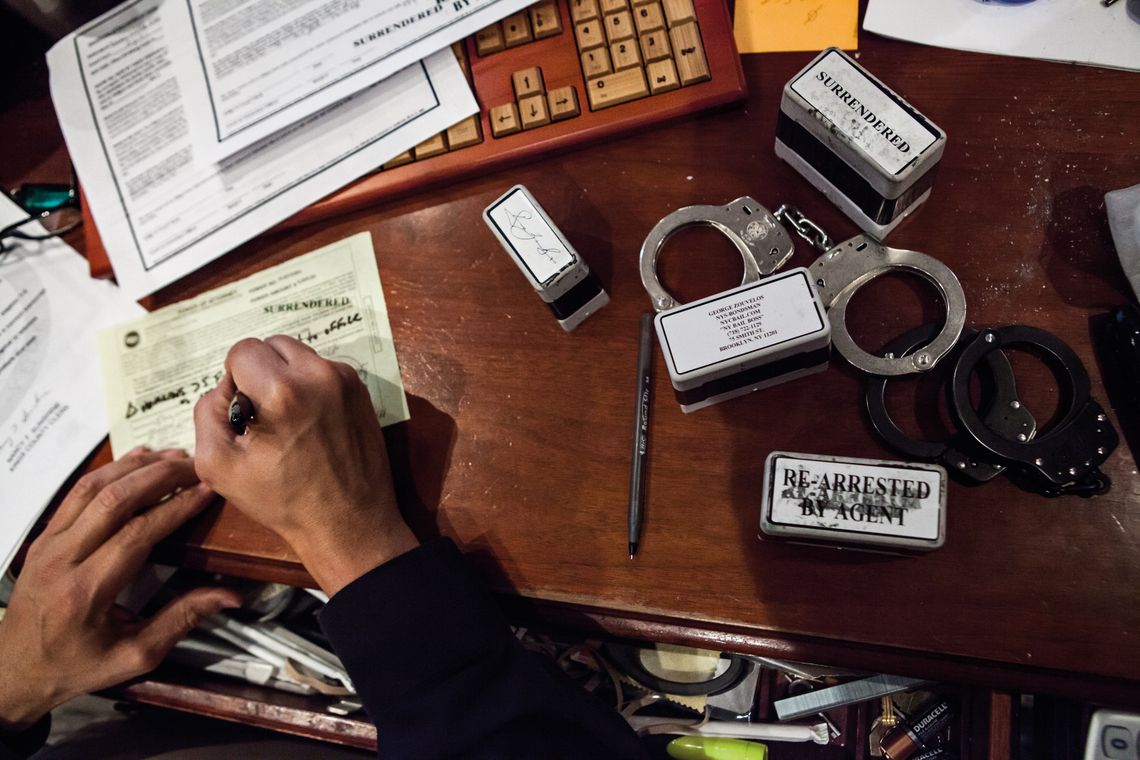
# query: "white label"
530, 234
766, 314
856, 498
864, 112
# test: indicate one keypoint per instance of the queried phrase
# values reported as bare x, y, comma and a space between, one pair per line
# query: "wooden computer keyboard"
557, 75
563, 73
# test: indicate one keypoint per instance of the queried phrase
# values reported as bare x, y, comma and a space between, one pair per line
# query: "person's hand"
312, 466
62, 634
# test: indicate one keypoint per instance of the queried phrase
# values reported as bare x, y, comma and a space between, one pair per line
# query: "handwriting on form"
181, 394
309, 336
519, 231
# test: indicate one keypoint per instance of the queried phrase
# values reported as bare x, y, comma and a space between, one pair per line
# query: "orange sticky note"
774, 26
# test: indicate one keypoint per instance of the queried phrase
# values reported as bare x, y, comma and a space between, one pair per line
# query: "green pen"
715, 748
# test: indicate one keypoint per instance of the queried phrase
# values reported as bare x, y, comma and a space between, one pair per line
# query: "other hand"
62, 634
312, 466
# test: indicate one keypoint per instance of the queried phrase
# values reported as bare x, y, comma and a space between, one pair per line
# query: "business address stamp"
744, 339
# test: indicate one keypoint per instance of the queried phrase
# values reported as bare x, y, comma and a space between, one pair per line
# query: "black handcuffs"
1066, 458
962, 458
1063, 461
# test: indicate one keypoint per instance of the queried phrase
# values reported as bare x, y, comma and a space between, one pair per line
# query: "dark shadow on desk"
1078, 256
419, 453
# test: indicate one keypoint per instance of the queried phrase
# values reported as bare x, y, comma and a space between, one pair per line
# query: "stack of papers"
195, 126
51, 399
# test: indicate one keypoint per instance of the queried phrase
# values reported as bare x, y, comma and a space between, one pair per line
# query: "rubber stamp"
545, 257
864, 147
858, 503
751, 337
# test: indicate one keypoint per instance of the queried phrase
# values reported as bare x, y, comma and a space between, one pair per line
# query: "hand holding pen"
310, 463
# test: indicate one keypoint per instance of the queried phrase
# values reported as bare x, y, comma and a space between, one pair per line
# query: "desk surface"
518, 445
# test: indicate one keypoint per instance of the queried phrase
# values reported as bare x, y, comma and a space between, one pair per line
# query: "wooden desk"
518, 446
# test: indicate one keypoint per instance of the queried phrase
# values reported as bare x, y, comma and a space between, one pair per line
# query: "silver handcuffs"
840, 271
763, 242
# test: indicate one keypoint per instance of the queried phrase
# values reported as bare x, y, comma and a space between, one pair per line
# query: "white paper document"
51, 411
155, 369
1052, 30
162, 212
268, 63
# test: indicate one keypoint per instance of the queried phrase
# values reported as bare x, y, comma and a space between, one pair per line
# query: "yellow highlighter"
715, 748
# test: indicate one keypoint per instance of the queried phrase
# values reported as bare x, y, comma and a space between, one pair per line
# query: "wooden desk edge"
867, 658
252, 706
726, 637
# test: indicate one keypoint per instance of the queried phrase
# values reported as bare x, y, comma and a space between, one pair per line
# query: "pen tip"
632, 550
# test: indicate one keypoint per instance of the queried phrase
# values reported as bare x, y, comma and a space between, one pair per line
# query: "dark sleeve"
22, 745
441, 675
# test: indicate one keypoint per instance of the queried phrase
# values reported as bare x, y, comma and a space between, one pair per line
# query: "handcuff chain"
804, 227
1096, 483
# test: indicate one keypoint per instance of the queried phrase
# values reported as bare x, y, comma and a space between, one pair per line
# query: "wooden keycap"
613, 6
404, 158
619, 26
648, 18
655, 46
545, 20
516, 29
461, 57
625, 55
464, 134
528, 82
589, 35
563, 103
662, 76
679, 11
596, 63
583, 10
689, 54
504, 120
433, 146
489, 40
534, 112
621, 87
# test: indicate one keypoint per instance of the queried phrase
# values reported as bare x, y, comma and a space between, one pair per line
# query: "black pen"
241, 413
640, 431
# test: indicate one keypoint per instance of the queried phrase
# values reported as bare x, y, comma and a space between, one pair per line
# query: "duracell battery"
937, 753
908, 738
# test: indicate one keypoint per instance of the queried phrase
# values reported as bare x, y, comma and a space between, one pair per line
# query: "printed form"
156, 368
269, 63
51, 415
126, 105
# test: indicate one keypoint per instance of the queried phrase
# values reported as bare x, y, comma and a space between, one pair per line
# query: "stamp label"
524, 227
775, 310
856, 496
865, 112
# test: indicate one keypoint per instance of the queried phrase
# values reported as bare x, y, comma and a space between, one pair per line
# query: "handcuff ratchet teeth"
1065, 459
1005, 413
764, 244
844, 268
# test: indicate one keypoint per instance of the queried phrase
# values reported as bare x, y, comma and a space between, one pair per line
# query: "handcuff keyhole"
860, 247
747, 210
